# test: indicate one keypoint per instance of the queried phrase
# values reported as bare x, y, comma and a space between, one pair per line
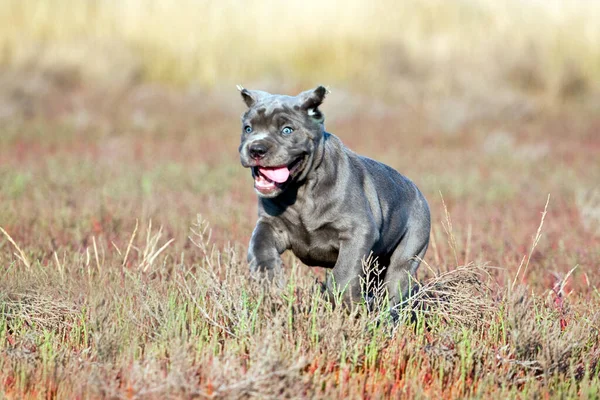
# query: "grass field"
125, 214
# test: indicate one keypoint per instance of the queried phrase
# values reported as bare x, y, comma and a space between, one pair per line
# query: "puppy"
330, 206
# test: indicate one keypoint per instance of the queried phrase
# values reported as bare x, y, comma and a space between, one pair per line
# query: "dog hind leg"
399, 277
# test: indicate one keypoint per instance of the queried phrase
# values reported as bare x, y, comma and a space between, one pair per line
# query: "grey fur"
336, 207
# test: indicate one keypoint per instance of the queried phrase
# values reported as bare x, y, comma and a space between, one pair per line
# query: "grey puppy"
327, 204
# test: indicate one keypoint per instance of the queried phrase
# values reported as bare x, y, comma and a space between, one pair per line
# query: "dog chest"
315, 247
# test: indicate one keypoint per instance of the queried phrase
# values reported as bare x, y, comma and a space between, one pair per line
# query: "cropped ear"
251, 97
311, 99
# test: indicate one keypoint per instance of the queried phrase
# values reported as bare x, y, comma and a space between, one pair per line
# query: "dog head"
280, 135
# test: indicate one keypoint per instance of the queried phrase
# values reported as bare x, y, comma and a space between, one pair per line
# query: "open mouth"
268, 180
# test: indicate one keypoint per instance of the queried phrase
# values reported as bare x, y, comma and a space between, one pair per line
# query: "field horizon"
547, 51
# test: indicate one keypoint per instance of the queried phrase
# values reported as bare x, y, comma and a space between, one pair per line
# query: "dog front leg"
347, 274
264, 250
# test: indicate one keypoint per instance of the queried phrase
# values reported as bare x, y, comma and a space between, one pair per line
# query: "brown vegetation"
111, 286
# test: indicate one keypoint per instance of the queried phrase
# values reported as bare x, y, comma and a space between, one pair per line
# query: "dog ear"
251, 97
312, 99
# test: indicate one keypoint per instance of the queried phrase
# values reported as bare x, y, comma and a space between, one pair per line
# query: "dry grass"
205, 330
434, 47
588, 202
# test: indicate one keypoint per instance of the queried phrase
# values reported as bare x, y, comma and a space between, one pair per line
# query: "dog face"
279, 137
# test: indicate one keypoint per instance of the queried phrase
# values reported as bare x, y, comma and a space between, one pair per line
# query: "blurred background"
117, 111
547, 49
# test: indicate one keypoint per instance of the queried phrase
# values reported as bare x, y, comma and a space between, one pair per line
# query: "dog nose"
257, 150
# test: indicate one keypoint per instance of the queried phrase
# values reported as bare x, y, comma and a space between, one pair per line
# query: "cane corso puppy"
330, 206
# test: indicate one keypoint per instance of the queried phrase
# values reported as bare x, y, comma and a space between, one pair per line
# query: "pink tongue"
278, 175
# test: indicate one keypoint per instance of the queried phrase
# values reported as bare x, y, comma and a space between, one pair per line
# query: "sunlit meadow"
125, 214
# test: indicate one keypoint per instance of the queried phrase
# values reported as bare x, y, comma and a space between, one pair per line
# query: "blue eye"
287, 130
248, 129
